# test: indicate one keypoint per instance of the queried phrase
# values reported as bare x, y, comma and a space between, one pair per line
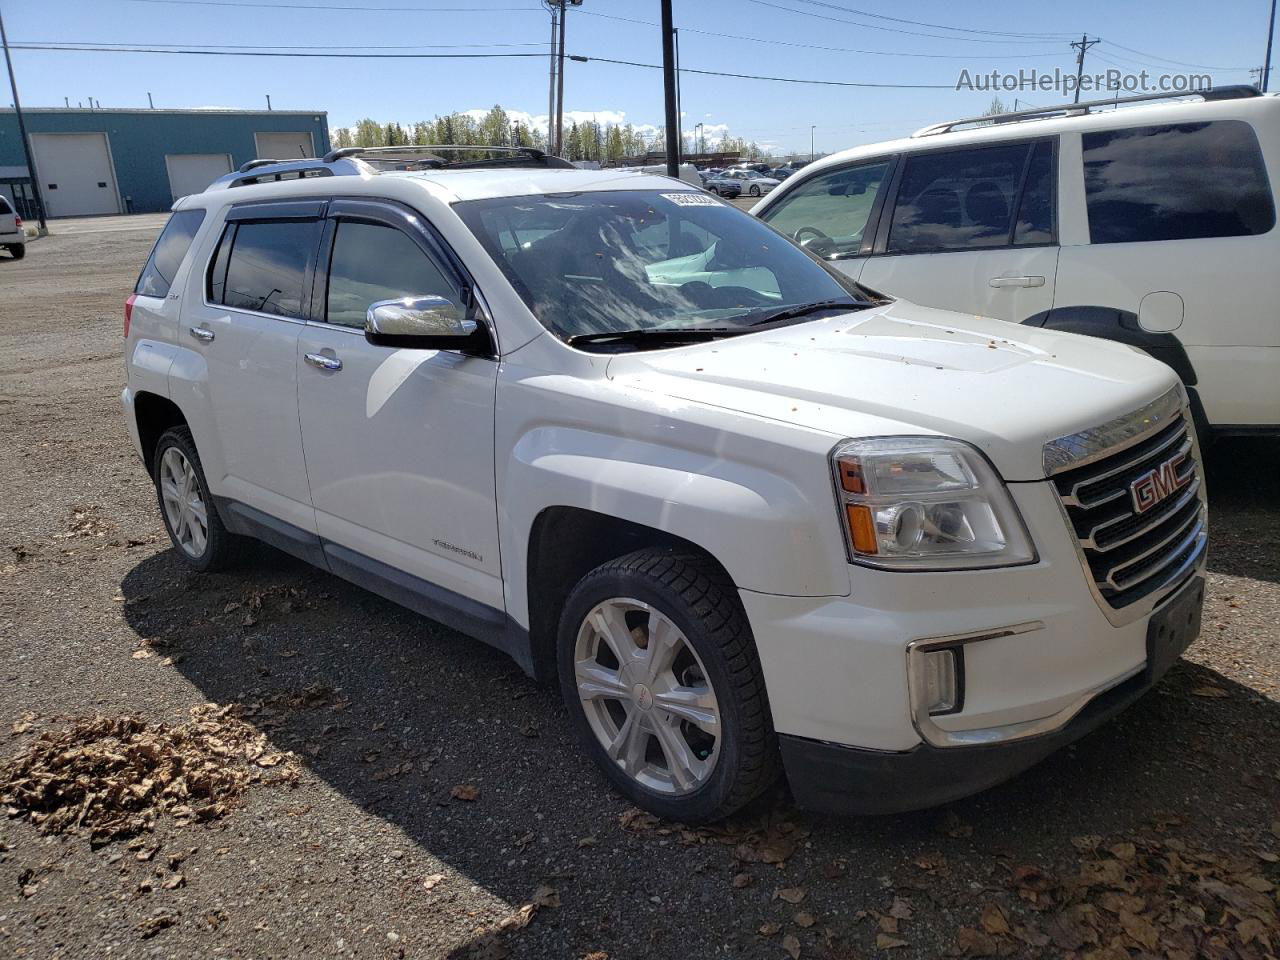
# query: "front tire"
755, 191
659, 671
189, 515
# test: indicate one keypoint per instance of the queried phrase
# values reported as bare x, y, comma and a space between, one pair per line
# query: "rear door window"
1178, 181
967, 199
265, 266
4, 205
168, 253
828, 213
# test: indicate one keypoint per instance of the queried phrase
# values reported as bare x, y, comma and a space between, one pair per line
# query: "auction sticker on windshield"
692, 199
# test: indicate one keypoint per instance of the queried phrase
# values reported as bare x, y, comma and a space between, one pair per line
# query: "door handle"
200, 333
1017, 281
322, 362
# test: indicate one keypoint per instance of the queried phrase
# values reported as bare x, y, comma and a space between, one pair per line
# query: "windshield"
610, 261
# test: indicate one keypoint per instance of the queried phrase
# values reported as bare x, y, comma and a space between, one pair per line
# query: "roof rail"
266, 171
361, 161
430, 149
1231, 92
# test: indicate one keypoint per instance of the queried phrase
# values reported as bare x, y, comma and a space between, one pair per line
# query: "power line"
935, 26
78, 44
334, 6
754, 76
814, 46
1180, 63
872, 26
1128, 63
188, 51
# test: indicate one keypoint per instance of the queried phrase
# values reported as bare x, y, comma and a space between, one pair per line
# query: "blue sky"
983, 36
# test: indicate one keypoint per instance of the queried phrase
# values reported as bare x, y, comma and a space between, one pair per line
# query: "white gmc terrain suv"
755, 517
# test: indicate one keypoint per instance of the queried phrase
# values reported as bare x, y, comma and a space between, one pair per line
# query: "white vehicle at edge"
1148, 225
11, 236
753, 517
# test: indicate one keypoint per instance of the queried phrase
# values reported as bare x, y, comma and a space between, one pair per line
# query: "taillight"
128, 312
17, 221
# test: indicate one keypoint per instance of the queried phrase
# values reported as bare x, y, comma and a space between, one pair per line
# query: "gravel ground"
367, 849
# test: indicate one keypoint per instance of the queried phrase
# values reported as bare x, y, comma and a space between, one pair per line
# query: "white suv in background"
752, 516
11, 236
1151, 225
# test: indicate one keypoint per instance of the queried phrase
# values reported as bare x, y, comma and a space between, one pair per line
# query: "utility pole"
697, 132
554, 7
559, 150
1083, 44
669, 90
150, 103
1266, 64
22, 132
268, 101
679, 106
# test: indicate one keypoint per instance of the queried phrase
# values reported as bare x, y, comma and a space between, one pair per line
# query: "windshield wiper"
804, 309
654, 334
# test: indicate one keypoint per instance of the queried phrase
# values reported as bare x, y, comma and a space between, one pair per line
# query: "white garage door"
284, 146
76, 172
192, 172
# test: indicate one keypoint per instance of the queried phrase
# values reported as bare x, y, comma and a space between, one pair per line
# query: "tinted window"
166, 255
371, 263
1035, 215
958, 200
4, 205
602, 261
1176, 182
268, 266
828, 213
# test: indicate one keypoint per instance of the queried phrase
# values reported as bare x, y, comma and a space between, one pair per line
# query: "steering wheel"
815, 240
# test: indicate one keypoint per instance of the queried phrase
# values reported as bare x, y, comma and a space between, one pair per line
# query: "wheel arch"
566, 543
154, 415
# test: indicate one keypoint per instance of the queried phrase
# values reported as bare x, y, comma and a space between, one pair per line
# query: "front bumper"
832, 778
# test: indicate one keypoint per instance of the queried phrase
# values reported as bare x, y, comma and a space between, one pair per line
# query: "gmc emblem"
1158, 484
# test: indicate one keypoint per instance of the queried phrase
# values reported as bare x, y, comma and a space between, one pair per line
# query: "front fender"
763, 509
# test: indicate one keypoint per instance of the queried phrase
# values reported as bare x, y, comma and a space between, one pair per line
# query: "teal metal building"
106, 161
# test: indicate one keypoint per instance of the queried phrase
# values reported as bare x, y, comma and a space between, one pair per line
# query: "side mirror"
422, 323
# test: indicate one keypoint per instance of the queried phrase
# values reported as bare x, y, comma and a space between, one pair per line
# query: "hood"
907, 369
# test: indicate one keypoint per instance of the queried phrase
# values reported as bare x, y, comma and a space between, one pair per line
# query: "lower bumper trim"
833, 778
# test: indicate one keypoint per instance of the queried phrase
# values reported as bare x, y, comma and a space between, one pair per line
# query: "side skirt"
478, 620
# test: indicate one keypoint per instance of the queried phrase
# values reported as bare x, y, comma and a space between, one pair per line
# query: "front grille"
1132, 554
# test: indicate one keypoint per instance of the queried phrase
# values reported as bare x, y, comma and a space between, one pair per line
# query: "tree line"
605, 143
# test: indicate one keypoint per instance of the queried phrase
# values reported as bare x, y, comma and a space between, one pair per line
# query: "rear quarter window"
4, 205
1179, 181
168, 253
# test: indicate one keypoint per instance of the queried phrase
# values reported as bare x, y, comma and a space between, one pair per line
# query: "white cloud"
710, 131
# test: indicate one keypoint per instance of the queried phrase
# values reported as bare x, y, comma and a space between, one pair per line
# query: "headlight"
920, 503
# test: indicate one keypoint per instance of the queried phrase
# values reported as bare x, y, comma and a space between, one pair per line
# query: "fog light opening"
941, 673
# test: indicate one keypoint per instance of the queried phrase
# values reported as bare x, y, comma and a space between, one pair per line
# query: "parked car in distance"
750, 183
12, 238
752, 517
780, 173
724, 185
1148, 224
758, 166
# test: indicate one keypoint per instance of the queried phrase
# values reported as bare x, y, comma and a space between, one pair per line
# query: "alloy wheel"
647, 696
184, 505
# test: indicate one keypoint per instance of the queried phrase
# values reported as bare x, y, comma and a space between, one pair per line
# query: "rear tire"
186, 507
18, 251
659, 671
